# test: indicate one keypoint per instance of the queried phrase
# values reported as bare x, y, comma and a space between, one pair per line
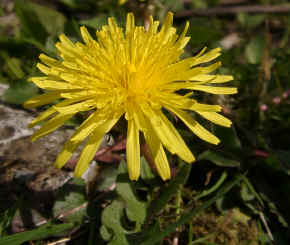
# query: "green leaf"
229, 138
255, 49
246, 194
14, 65
71, 197
50, 20
30, 23
112, 215
135, 209
105, 234
169, 191
250, 188
36, 234
146, 172
75, 4
96, 22
72, 29
202, 32
111, 219
20, 92
185, 218
250, 21
109, 175
50, 47
218, 159
137, 238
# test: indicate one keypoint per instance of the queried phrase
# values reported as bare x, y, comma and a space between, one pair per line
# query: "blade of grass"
215, 187
252, 189
6, 217
203, 239
36, 234
171, 190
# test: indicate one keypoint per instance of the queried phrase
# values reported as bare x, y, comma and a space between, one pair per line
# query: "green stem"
215, 187
178, 201
179, 194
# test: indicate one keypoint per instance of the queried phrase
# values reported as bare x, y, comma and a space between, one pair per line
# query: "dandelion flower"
135, 73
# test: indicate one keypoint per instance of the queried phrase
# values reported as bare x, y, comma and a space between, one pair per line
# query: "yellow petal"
44, 115
213, 90
86, 35
53, 85
208, 69
203, 107
176, 74
212, 78
168, 135
42, 99
70, 65
66, 153
222, 79
153, 26
66, 42
113, 27
88, 126
157, 153
167, 24
49, 61
209, 56
133, 150
216, 118
130, 23
183, 40
74, 108
51, 125
52, 110
194, 126
44, 69
80, 94
92, 146
197, 86
160, 160
65, 53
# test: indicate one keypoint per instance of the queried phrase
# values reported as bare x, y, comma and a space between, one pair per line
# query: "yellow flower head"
136, 73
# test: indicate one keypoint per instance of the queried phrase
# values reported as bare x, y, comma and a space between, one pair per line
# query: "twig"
253, 9
266, 226
175, 240
60, 241
42, 222
74, 210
